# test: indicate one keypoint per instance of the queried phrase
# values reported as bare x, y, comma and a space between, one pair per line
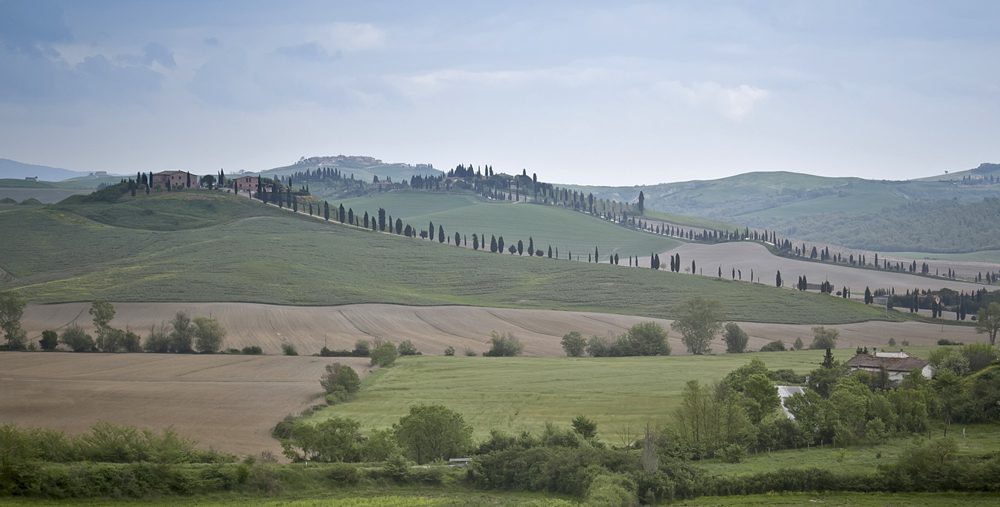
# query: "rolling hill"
363, 168
135, 250
20, 170
822, 209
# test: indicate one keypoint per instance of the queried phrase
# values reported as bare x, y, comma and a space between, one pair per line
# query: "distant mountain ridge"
362, 167
20, 170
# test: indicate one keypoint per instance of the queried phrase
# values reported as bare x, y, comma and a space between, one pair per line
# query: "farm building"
245, 183
897, 364
175, 179
785, 392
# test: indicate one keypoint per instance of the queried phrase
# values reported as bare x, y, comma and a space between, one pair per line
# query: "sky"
608, 93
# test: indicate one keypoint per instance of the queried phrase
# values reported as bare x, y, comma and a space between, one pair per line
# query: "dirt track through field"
228, 402
433, 328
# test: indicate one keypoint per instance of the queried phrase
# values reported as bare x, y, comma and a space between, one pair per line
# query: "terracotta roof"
890, 363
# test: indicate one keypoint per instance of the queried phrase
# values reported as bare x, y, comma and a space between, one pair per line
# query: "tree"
440, 233
735, 337
49, 341
433, 432
182, 334
458, 239
341, 379
76, 339
335, 440
585, 427
103, 312
11, 311
824, 338
988, 321
798, 345
208, 181
777, 279
384, 354
698, 321
209, 335
158, 340
642, 202
407, 348
574, 344
504, 345
381, 219
647, 339
326, 213
520, 247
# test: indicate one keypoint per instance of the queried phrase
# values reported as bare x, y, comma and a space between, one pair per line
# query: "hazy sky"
584, 92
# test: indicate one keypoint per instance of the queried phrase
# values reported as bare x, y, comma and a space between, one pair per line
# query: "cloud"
445, 80
309, 51
354, 37
32, 27
733, 102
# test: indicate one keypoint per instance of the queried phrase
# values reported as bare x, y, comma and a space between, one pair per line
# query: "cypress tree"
458, 239
493, 244
440, 233
326, 211
341, 214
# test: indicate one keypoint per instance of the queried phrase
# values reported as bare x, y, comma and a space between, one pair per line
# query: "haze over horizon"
579, 92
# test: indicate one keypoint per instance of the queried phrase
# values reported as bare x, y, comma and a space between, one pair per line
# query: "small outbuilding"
896, 364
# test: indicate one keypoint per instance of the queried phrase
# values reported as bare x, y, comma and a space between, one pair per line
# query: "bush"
573, 343
735, 337
252, 350
504, 345
209, 335
406, 348
77, 340
944, 342
341, 381
361, 349
288, 349
158, 340
449, 351
732, 453
470, 353
384, 355
49, 341
824, 338
775, 346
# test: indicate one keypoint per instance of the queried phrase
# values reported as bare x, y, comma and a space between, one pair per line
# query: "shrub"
944, 342
208, 335
892, 342
340, 381
504, 345
824, 338
979, 355
573, 343
49, 340
77, 340
585, 427
470, 353
735, 337
775, 346
288, 349
362, 348
732, 453
252, 350
406, 348
449, 351
798, 345
384, 355
334, 440
158, 340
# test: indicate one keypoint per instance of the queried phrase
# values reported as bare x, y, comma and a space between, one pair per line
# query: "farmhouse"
785, 392
174, 179
896, 364
245, 183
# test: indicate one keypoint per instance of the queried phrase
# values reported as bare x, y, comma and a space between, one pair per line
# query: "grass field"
989, 256
130, 251
971, 440
561, 228
518, 394
847, 500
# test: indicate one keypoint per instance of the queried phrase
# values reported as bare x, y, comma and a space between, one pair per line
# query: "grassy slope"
547, 225
848, 499
284, 259
515, 394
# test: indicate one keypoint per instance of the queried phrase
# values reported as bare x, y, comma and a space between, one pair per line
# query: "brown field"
228, 402
433, 328
748, 256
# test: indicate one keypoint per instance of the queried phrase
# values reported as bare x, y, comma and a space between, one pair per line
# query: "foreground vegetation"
103, 251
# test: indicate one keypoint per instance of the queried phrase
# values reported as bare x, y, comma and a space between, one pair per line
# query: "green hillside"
561, 228
62, 254
362, 168
816, 208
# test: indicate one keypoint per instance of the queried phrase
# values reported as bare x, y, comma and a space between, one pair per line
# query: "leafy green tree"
406, 348
504, 345
361, 349
102, 312
433, 432
798, 345
340, 378
11, 311
449, 351
698, 321
209, 335
49, 341
735, 337
574, 344
384, 354
761, 397
77, 339
585, 427
182, 334
335, 440
988, 321
824, 338
158, 340
648, 339
289, 349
